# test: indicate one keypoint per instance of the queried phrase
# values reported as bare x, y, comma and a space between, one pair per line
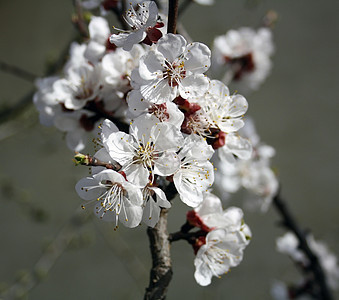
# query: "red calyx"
201, 240
194, 219
123, 174
153, 34
110, 46
110, 4
220, 140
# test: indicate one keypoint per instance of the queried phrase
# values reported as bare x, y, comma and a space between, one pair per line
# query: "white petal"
98, 29
239, 146
238, 106
198, 58
167, 164
137, 174
151, 65
171, 46
193, 86
107, 128
85, 190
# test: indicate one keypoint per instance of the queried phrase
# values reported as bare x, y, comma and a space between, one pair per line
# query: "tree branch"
172, 16
161, 272
290, 223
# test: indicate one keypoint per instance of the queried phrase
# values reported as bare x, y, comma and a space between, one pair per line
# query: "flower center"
145, 155
174, 72
160, 111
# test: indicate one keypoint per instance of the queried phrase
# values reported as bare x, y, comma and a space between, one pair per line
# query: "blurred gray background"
296, 111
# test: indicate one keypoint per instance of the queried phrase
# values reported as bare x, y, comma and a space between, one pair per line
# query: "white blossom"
246, 55
142, 20
289, 244
116, 199
99, 33
172, 68
146, 151
223, 250
196, 173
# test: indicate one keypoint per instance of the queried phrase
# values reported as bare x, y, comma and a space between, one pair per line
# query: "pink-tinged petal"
193, 86
198, 58
171, 46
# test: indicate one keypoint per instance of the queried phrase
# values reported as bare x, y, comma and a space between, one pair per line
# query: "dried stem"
290, 223
172, 16
161, 272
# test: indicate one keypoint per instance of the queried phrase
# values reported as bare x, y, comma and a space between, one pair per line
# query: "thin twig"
78, 19
26, 101
90, 161
130, 261
18, 72
189, 237
290, 223
48, 258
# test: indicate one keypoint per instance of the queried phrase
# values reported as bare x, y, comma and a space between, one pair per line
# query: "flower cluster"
243, 56
289, 244
93, 86
254, 173
223, 239
161, 120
